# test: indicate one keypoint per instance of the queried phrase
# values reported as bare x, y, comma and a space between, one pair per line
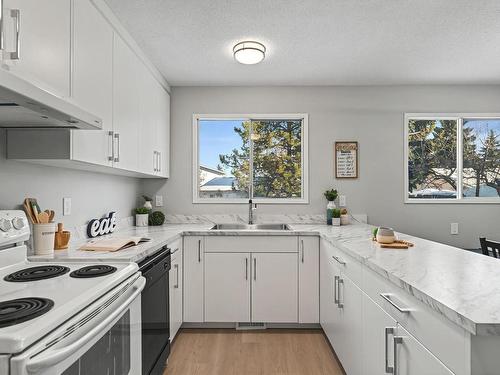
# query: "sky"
217, 137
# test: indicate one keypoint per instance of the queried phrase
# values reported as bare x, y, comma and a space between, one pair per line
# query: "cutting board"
398, 244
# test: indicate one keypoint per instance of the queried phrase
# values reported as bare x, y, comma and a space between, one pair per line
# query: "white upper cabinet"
37, 36
92, 83
163, 132
126, 105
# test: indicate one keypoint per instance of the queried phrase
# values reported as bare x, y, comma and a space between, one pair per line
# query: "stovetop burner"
93, 271
37, 273
22, 309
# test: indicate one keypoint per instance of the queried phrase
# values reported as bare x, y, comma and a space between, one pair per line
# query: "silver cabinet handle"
16, 13
117, 154
339, 303
397, 340
335, 288
111, 157
199, 251
302, 247
339, 260
388, 331
2, 46
388, 298
246, 268
159, 161
254, 269
154, 162
176, 266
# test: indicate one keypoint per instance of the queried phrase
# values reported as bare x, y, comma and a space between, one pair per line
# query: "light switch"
454, 228
159, 200
66, 206
342, 201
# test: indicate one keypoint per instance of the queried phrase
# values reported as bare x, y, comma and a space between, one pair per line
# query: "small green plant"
147, 198
331, 195
336, 213
157, 218
141, 210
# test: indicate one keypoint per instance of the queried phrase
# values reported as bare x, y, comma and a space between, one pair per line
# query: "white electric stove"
65, 318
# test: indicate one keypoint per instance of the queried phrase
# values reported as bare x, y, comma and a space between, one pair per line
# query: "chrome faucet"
251, 208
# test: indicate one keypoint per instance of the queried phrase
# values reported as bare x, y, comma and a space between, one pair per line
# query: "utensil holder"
43, 238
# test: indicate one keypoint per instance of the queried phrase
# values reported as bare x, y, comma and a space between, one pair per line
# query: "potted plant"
148, 202
336, 217
344, 217
330, 196
141, 216
156, 218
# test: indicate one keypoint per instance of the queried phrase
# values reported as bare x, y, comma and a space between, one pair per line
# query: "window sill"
454, 201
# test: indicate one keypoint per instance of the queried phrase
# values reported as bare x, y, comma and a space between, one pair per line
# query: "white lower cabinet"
175, 290
378, 331
193, 279
274, 287
227, 287
412, 358
308, 279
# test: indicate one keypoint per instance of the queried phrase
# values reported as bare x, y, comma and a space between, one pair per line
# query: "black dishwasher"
155, 312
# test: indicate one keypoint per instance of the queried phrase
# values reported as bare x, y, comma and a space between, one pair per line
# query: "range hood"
23, 105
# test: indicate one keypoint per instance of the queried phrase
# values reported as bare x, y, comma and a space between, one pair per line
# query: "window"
259, 157
452, 158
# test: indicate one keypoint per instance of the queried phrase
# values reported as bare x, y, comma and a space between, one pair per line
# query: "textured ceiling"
319, 42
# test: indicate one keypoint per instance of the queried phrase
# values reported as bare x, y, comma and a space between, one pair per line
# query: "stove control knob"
18, 223
5, 225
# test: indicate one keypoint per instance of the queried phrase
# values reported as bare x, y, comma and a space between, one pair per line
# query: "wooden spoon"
51, 214
43, 217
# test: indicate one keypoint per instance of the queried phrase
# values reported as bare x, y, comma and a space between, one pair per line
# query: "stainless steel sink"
250, 227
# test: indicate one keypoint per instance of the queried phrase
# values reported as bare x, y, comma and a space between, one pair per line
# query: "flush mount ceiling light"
249, 52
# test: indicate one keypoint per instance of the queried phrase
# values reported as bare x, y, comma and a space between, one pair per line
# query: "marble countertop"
460, 285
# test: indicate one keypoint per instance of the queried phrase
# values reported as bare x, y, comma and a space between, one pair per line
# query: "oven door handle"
43, 362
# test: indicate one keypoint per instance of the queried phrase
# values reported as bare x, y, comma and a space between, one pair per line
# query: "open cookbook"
112, 244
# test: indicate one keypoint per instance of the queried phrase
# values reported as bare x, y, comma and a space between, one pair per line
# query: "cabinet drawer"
348, 265
445, 340
251, 244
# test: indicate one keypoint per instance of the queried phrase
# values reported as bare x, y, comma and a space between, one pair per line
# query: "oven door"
105, 338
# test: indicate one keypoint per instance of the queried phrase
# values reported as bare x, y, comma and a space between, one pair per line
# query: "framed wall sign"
346, 159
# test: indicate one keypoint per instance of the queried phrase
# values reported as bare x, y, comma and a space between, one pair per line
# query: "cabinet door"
193, 279
350, 328
150, 112
227, 287
377, 343
163, 132
126, 104
412, 358
175, 294
308, 280
44, 43
92, 87
274, 287
330, 317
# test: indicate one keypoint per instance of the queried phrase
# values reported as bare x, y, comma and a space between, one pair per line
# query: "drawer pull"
388, 331
340, 304
397, 340
339, 260
335, 288
388, 298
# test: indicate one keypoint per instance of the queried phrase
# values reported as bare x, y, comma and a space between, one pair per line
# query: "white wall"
92, 194
373, 116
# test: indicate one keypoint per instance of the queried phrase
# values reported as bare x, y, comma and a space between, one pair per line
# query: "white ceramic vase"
148, 205
336, 221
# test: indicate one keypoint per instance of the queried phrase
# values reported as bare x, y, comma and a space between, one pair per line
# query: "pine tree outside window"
242, 157
452, 158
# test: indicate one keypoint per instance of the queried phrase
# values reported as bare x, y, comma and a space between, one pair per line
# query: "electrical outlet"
342, 201
159, 200
454, 228
66, 206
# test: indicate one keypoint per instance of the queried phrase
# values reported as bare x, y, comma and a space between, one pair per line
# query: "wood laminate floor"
269, 352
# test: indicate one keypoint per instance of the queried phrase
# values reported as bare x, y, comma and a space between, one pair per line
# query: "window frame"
275, 116
459, 117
